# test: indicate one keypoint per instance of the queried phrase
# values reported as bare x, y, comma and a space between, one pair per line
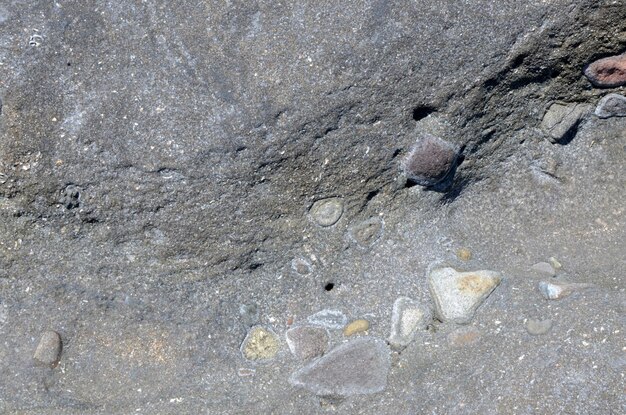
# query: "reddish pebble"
608, 72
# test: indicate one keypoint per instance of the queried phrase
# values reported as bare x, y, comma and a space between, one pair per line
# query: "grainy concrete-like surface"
158, 165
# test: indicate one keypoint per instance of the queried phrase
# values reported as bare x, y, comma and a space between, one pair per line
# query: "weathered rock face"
183, 182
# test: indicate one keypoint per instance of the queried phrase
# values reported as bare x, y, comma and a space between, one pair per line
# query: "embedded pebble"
407, 318
538, 327
354, 368
48, 352
464, 336
331, 319
301, 266
607, 72
260, 344
430, 160
612, 105
357, 326
544, 268
555, 290
367, 232
457, 295
307, 342
464, 254
326, 212
561, 121
555, 263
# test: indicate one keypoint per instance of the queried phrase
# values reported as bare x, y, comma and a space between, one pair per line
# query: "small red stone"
607, 72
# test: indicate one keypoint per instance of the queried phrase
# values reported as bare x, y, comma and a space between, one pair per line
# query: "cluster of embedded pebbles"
359, 363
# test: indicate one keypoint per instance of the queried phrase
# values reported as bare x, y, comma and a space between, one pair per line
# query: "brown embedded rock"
430, 160
307, 342
607, 72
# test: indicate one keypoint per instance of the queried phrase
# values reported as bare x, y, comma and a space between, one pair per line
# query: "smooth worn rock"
555, 290
354, 368
561, 121
612, 105
307, 342
457, 295
464, 336
331, 319
430, 160
407, 318
301, 266
544, 268
607, 72
260, 344
538, 327
355, 327
326, 212
48, 352
366, 233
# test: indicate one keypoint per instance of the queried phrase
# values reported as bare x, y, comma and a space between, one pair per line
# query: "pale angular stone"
354, 368
544, 268
326, 212
612, 105
457, 295
357, 326
407, 318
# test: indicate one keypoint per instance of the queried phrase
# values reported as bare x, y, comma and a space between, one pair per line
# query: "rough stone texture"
430, 160
561, 121
307, 342
331, 319
556, 290
158, 161
260, 344
607, 72
457, 295
354, 368
48, 352
366, 233
612, 105
408, 317
464, 336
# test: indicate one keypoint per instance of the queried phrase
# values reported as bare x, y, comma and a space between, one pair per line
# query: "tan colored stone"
260, 344
357, 326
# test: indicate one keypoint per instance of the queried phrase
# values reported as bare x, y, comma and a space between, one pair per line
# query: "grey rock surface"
561, 121
358, 367
331, 319
544, 268
556, 290
158, 164
538, 327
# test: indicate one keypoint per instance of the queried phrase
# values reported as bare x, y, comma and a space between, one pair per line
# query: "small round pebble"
538, 327
607, 72
326, 212
301, 266
357, 326
430, 160
48, 352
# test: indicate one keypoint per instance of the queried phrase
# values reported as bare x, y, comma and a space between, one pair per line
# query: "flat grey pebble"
307, 342
326, 212
48, 352
358, 367
561, 120
538, 327
612, 105
555, 290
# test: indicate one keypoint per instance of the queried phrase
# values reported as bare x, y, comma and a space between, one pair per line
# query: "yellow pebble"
464, 254
357, 326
